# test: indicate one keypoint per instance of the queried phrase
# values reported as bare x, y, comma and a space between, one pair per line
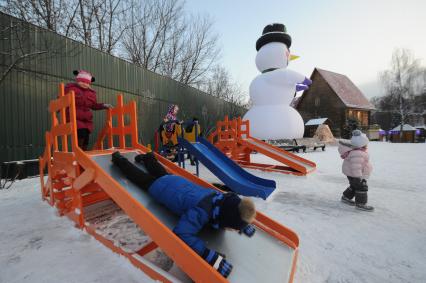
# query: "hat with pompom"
359, 139
83, 76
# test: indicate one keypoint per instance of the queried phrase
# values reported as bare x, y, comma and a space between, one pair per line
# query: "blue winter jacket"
183, 198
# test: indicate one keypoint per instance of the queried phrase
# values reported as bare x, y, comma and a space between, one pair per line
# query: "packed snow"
337, 242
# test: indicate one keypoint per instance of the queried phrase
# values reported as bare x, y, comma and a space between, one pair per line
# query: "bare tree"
155, 34
152, 24
220, 85
101, 24
56, 15
201, 51
162, 40
96, 23
22, 46
17, 53
402, 82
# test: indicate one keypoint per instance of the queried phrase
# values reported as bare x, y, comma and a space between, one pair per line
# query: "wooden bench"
313, 143
291, 145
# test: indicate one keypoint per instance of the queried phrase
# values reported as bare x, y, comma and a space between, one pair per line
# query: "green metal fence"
44, 59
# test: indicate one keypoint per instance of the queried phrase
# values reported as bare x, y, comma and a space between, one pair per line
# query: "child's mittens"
249, 230
218, 262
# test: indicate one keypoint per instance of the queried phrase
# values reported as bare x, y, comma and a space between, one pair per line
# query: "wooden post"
120, 121
73, 121
133, 123
63, 120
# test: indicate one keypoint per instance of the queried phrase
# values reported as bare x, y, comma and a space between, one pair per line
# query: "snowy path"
337, 242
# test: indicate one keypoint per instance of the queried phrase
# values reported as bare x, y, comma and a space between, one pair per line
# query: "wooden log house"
336, 97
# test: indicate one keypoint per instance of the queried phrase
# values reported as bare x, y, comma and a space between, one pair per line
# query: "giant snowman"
271, 116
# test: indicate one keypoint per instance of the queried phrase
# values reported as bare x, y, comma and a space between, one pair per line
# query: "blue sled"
229, 172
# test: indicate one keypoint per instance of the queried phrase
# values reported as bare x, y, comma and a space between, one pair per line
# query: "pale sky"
355, 38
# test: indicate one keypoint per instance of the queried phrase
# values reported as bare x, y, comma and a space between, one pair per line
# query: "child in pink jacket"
357, 168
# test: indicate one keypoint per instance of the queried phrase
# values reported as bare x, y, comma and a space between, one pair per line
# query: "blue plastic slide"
229, 172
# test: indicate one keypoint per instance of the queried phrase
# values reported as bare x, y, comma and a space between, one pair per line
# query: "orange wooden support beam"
73, 119
147, 248
63, 120
58, 104
120, 121
54, 124
84, 179
122, 131
94, 198
134, 123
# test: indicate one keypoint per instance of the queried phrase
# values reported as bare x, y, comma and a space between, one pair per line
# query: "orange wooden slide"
233, 138
77, 181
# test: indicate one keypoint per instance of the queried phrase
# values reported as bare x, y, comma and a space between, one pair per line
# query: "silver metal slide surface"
279, 152
261, 258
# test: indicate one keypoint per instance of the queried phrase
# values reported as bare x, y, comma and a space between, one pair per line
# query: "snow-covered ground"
337, 242
38, 246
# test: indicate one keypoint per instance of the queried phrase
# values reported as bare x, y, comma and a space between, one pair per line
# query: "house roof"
314, 122
346, 90
406, 127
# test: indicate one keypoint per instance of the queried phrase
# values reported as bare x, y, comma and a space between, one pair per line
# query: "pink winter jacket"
356, 163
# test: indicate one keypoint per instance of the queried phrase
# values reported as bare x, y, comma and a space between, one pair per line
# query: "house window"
364, 120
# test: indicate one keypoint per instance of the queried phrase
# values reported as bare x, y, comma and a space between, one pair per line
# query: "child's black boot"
138, 158
151, 164
347, 200
116, 156
363, 206
347, 196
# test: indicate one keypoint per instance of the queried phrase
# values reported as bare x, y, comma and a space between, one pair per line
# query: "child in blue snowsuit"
197, 206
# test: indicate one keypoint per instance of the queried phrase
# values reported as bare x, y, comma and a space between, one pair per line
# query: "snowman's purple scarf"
170, 117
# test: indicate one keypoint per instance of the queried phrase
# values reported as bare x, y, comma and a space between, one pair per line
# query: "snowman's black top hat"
274, 33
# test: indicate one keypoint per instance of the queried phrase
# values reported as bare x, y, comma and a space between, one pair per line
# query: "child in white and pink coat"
357, 167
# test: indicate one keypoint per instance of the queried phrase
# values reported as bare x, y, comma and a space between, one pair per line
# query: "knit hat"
83, 76
171, 108
274, 33
229, 215
358, 139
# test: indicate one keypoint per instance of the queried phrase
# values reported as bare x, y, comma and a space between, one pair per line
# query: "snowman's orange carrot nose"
294, 57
